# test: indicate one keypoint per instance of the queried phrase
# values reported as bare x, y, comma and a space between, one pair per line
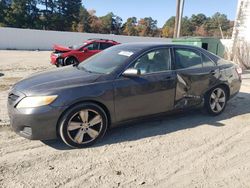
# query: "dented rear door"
193, 80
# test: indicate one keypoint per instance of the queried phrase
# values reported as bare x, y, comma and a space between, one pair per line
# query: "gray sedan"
123, 83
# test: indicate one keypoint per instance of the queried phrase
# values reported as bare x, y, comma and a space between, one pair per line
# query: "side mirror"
85, 49
131, 72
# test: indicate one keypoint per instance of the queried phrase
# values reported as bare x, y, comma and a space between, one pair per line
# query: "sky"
160, 10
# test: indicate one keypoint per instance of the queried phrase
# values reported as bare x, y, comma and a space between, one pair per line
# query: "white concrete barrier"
29, 39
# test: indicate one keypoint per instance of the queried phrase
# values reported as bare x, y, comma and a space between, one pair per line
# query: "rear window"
207, 62
104, 46
187, 58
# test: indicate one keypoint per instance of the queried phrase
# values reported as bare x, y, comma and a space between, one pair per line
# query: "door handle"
168, 78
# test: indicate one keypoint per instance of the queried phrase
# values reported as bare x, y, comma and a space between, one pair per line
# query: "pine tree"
84, 21
23, 14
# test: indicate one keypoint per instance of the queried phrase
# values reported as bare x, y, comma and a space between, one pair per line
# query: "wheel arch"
70, 56
101, 105
224, 85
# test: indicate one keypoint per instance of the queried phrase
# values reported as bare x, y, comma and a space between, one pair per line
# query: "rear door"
195, 72
150, 93
105, 45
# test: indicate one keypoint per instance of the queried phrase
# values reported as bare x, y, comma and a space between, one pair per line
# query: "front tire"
71, 61
216, 100
83, 125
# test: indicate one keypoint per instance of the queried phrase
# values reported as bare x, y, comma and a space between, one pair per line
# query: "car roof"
146, 45
101, 40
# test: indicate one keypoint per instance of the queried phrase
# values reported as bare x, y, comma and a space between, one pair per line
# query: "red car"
63, 56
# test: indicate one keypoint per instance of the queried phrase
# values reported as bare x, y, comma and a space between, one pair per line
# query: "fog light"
26, 131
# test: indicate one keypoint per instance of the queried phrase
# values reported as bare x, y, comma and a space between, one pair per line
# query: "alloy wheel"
84, 126
217, 100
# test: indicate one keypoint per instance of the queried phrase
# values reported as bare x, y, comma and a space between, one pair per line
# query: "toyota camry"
125, 82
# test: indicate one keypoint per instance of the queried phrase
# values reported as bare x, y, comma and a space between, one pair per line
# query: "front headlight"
36, 101
58, 54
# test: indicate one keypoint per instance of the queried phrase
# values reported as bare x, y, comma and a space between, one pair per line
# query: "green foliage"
200, 25
129, 27
198, 20
147, 27
84, 22
22, 14
186, 27
110, 23
69, 15
168, 28
216, 22
3, 8
170, 22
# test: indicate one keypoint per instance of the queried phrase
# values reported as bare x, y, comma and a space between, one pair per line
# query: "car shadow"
1, 74
168, 124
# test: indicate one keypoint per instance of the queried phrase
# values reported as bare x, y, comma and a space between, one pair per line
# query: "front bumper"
53, 59
35, 123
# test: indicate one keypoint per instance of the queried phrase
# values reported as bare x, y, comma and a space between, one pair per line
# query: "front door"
150, 93
92, 49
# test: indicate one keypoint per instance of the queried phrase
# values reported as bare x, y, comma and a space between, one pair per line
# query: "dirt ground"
191, 149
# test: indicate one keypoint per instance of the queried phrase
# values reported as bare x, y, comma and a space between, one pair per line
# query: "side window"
93, 46
154, 61
104, 45
187, 58
207, 62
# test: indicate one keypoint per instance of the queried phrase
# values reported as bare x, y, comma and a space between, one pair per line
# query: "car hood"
59, 48
53, 80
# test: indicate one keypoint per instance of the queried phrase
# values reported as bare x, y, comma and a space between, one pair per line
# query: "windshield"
108, 60
77, 46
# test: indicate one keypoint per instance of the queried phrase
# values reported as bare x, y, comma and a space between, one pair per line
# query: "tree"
111, 24
198, 20
116, 25
201, 31
23, 14
84, 21
106, 23
48, 13
72, 13
217, 25
129, 28
3, 10
147, 27
198, 23
67, 14
168, 28
63, 15
95, 22
187, 28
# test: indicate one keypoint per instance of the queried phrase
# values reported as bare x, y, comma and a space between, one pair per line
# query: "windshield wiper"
84, 69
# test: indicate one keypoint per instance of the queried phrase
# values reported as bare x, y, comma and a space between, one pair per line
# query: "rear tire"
83, 125
216, 100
